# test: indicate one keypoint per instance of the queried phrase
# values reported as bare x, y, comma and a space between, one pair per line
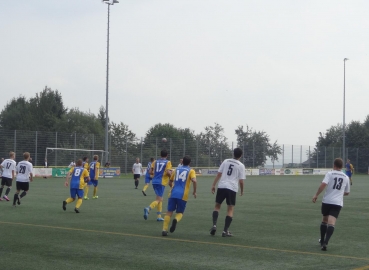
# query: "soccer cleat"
143, 192
6, 198
164, 233
76, 210
174, 225
227, 234
213, 230
18, 201
160, 219
64, 205
86, 198
324, 247
146, 213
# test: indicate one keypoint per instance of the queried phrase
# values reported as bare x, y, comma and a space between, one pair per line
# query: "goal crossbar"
52, 149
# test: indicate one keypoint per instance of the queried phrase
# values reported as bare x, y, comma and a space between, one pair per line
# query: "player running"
8, 166
137, 171
77, 175
231, 174
182, 178
148, 176
161, 169
94, 175
337, 184
349, 170
24, 176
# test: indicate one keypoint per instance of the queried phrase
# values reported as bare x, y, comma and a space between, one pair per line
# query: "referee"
231, 173
137, 171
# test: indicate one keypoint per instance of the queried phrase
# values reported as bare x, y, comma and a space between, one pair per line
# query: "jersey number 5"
230, 169
337, 185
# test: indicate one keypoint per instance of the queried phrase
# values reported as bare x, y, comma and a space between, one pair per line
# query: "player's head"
164, 153
186, 160
85, 159
137, 160
152, 159
96, 157
348, 161
11, 155
26, 156
79, 163
338, 164
237, 153
181, 161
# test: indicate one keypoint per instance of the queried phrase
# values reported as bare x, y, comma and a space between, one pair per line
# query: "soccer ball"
164, 140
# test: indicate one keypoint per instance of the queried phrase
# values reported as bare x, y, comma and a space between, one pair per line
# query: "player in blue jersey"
94, 175
161, 169
148, 176
349, 170
181, 181
78, 176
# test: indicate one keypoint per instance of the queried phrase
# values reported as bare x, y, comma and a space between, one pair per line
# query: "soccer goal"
64, 156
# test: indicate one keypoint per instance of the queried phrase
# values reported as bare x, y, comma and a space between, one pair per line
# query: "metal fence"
203, 154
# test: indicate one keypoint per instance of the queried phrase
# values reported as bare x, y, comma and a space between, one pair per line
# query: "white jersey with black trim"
337, 184
24, 169
232, 171
8, 166
137, 168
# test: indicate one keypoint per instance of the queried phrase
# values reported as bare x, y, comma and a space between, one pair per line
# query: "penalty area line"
193, 242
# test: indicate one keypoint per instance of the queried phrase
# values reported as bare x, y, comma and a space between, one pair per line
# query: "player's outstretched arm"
31, 177
219, 175
241, 186
67, 179
194, 187
320, 190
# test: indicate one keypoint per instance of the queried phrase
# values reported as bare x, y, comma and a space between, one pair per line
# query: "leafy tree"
16, 115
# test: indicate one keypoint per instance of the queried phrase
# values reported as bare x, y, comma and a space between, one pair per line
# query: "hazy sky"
273, 65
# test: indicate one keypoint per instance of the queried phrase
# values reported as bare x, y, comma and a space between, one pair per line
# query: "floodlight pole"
109, 2
344, 112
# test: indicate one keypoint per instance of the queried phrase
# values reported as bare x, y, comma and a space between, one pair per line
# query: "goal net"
62, 157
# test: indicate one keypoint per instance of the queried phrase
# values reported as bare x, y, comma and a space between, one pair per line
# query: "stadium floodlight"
344, 112
110, 3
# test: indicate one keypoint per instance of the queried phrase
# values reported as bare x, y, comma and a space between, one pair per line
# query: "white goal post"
74, 154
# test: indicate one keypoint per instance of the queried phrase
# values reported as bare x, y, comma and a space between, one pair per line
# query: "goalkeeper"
77, 176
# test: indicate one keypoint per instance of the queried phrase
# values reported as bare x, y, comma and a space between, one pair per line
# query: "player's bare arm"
219, 175
67, 178
171, 183
31, 177
194, 187
346, 193
320, 190
241, 186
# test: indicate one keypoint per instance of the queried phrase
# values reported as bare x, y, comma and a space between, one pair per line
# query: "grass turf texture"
276, 226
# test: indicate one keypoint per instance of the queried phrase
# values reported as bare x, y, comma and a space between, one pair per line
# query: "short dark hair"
338, 163
152, 159
84, 158
164, 153
237, 152
186, 160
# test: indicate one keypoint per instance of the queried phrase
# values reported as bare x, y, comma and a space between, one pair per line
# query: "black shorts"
135, 176
23, 186
227, 194
5, 181
331, 210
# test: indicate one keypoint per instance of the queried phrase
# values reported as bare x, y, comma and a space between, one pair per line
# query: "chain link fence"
123, 153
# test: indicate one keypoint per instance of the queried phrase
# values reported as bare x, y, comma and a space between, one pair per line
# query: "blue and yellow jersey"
182, 177
148, 169
94, 170
86, 165
351, 168
348, 167
161, 166
78, 177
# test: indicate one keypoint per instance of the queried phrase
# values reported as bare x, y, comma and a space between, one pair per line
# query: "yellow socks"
86, 191
160, 208
166, 223
79, 202
69, 200
153, 205
95, 191
178, 216
145, 187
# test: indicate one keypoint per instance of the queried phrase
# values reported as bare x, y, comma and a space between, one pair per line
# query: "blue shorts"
176, 204
76, 192
348, 173
93, 182
147, 179
159, 189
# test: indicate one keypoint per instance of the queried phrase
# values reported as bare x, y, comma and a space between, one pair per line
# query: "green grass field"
276, 226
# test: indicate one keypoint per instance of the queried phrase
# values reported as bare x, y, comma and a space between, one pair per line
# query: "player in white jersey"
180, 163
137, 171
337, 185
1, 168
8, 166
231, 173
24, 176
